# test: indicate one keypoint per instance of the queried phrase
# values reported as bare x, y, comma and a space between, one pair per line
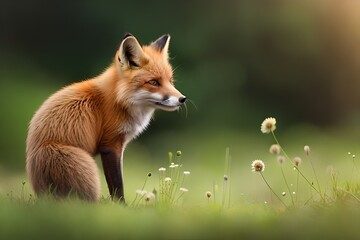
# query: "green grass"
74, 219
250, 210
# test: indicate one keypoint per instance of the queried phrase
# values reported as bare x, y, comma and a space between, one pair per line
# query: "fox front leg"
112, 164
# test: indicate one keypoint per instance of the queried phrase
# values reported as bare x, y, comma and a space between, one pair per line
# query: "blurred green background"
238, 61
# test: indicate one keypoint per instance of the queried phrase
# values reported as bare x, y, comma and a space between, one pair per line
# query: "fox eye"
154, 83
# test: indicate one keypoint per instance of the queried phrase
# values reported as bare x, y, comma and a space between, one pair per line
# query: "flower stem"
181, 194
297, 186
287, 185
224, 193
142, 189
311, 185
214, 190
351, 194
312, 166
177, 183
272, 190
226, 185
287, 156
277, 142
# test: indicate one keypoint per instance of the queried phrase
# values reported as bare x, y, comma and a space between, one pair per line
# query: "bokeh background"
238, 61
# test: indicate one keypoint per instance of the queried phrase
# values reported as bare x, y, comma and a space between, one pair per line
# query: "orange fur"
99, 115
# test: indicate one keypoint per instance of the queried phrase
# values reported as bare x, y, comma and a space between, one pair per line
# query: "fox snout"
161, 101
170, 103
181, 99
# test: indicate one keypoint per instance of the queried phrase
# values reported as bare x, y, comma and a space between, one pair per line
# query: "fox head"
146, 75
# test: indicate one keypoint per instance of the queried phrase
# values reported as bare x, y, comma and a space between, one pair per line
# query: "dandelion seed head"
258, 166
268, 125
293, 193
186, 172
208, 194
167, 179
182, 189
297, 161
307, 149
349, 153
274, 149
283, 194
162, 169
353, 156
149, 197
281, 159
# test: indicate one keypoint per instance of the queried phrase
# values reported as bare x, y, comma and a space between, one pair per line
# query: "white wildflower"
275, 149
268, 125
307, 149
149, 197
281, 159
258, 166
297, 161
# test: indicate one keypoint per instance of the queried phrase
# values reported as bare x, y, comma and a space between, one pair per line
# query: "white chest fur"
140, 119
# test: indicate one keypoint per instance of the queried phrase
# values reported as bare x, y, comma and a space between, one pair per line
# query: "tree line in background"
239, 61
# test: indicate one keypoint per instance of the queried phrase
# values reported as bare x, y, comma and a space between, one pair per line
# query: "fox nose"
182, 99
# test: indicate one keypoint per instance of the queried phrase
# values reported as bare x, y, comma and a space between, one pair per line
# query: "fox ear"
131, 53
162, 45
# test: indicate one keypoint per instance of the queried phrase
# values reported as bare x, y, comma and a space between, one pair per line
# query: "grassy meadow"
241, 206
238, 62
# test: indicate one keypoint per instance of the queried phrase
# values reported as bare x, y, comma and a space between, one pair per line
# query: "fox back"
99, 116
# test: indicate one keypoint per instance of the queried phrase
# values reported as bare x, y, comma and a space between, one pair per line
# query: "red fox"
99, 116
